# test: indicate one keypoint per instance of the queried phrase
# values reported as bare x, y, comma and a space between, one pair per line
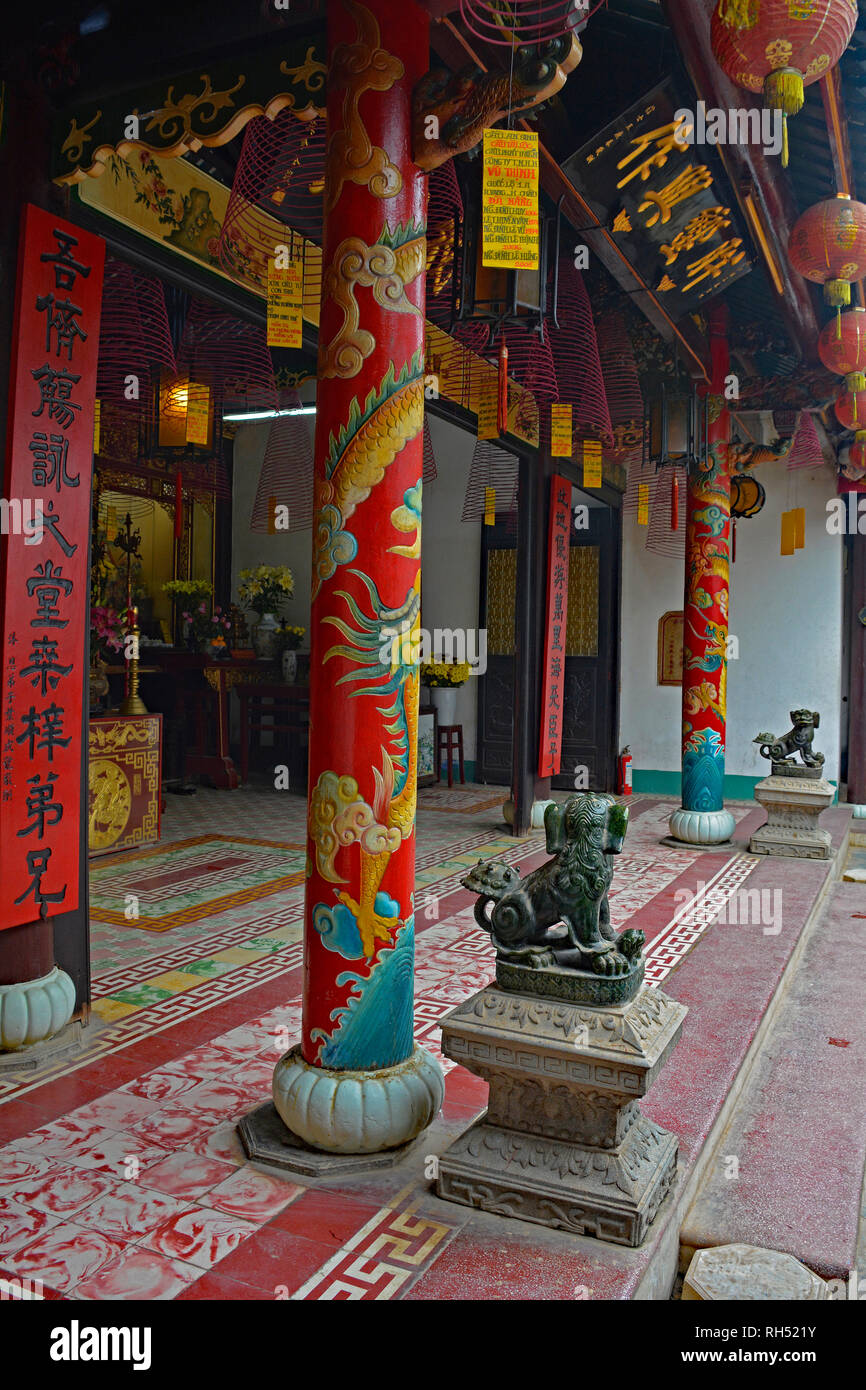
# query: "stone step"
798, 1129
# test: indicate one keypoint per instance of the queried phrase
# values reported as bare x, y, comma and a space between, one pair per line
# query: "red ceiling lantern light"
828, 245
779, 47
842, 347
857, 456
850, 408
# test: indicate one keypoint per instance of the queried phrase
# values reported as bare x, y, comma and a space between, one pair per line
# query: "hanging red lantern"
856, 467
850, 408
828, 245
779, 47
842, 347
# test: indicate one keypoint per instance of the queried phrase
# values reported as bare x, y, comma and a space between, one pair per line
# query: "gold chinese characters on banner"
510, 200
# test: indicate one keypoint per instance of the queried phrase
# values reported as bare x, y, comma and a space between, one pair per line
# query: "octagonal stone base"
563, 1142
793, 806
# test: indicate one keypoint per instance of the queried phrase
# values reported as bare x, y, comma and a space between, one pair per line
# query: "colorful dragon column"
366, 579
702, 818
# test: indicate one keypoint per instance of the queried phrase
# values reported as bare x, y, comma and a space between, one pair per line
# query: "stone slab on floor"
799, 1127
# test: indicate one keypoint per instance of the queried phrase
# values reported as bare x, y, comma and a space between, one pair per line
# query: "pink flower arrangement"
106, 631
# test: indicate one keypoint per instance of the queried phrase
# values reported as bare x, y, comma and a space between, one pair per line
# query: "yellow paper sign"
488, 425
489, 506
799, 515
509, 200
197, 411
286, 304
789, 534
592, 464
643, 504
560, 431
97, 412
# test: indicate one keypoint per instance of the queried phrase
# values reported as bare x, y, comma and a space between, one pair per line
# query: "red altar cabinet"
124, 782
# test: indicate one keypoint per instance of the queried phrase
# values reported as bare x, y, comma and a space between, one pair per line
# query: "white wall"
786, 612
450, 556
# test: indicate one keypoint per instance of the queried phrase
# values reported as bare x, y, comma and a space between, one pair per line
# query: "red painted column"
359, 909
702, 818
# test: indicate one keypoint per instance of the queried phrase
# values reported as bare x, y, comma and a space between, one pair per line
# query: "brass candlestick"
133, 703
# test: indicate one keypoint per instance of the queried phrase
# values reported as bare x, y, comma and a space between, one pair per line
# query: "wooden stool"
449, 740
273, 709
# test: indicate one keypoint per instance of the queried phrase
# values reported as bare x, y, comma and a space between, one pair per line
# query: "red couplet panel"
550, 733
45, 564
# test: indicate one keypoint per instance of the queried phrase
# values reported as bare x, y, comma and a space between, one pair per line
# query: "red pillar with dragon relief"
357, 1083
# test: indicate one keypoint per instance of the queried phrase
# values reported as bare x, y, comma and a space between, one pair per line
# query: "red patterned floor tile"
216, 1287
64, 1191
186, 1174
138, 1274
252, 1195
129, 1212
65, 1257
20, 1225
276, 1262
200, 1236
324, 1217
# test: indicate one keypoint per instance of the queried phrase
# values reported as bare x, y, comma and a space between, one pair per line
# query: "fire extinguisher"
624, 770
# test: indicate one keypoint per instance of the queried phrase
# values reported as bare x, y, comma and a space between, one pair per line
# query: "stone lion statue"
561, 909
797, 740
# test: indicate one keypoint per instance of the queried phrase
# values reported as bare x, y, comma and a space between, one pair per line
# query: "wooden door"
589, 696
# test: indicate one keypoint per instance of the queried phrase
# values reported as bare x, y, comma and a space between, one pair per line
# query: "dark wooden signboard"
45, 578
656, 196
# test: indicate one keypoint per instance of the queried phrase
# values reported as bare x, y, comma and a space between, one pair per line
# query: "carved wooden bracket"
451, 111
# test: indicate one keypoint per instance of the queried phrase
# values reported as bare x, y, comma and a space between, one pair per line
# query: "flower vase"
444, 697
290, 666
263, 636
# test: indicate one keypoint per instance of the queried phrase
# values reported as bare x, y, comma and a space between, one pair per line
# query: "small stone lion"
561, 909
797, 740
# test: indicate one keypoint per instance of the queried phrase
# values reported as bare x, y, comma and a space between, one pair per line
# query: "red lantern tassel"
178, 505
675, 503
733, 542
502, 400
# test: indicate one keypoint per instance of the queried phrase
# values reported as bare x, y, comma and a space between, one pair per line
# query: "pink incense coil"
579, 377
491, 467
134, 336
276, 198
806, 448
228, 355
521, 21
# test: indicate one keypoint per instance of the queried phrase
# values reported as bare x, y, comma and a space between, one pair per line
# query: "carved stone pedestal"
793, 804
563, 1141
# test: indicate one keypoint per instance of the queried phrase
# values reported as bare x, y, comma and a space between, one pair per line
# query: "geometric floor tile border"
193, 892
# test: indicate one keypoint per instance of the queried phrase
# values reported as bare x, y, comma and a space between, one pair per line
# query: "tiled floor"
122, 1174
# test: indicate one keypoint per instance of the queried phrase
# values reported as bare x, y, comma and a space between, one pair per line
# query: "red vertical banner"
550, 733
45, 579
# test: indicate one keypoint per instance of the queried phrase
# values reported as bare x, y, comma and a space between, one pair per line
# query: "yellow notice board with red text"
509, 200
286, 304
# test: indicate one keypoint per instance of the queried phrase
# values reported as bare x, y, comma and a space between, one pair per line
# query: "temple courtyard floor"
121, 1171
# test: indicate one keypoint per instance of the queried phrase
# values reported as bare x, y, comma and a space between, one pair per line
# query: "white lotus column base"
702, 827
358, 1112
536, 814
35, 1010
